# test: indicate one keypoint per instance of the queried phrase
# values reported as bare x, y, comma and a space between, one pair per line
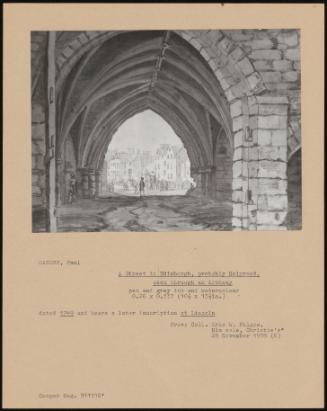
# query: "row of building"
167, 168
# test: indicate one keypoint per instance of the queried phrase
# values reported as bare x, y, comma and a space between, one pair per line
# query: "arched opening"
133, 72
130, 76
294, 220
145, 151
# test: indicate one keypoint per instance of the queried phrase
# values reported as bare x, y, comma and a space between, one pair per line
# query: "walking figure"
142, 186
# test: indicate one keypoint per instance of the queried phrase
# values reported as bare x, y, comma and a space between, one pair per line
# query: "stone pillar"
208, 178
98, 176
92, 189
260, 166
83, 183
51, 132
60, 182
67, 180
39, 183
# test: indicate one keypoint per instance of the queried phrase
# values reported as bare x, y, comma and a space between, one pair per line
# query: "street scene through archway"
166, 130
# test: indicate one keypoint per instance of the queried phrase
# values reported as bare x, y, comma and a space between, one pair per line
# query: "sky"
144, 131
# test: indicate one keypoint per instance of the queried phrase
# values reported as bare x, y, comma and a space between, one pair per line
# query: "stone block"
290, 39
293, 54
251, 153
285, 87
214, 36
281, 46
240, 169
266, 55
260, 44
278, 109
239, 90
238, 139
297, 65
213, 64
245, 223
239, 35
238, 196
230, 95
268, 122
252, 169
236, 222
272, 122
264, 137
226, 82
272, 186
263, 65
239, 184
253, 109
279, 137
282, 65
272, 100
252, 100
245, 66
237, 54
263, 202
239, 153
222, 73
277, 202
237, 123
272, 169
273, 218
271, 76
291, 76
205, 54
254, 79
238, 210
236, 108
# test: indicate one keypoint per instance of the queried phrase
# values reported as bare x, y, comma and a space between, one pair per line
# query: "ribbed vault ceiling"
133, 72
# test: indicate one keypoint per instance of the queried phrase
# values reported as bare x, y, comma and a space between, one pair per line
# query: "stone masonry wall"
294, 192
223, 170
38, 64
275, 54
38, 153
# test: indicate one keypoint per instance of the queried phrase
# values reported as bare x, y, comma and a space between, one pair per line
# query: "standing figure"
72, 189
142, 186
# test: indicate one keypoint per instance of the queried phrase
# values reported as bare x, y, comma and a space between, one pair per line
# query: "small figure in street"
142, 186
72, 189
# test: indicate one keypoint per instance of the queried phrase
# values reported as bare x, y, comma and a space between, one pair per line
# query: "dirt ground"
149, 213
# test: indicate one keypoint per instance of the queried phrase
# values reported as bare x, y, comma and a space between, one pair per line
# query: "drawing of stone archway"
231, 96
